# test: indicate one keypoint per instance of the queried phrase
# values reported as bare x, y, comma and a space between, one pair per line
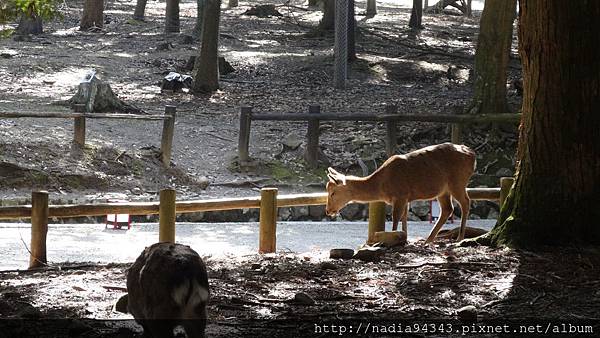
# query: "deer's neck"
363, 189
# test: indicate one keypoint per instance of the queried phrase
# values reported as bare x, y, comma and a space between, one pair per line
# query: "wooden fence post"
268, 221
391, 140
166, 143
39, 229
376, 219
166, 216
312, 137
244, 137
79, 126
505, 185
456, 134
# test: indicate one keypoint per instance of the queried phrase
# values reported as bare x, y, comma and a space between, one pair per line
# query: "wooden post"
505, 185
268, 221
166, 143
244, 137
312, 137
79, 126
391, 137
39, 229
376, 219
456, 136
166, 216
371, 8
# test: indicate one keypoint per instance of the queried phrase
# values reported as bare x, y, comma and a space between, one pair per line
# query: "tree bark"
233, 3
416, 15
93, 14
327, 22
197, 32
555, 196
172, 17
371, 8
30, 25
206, 70
140, 9
491, 57
351, 32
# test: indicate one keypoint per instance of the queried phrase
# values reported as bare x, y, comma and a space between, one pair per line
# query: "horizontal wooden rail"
152, 208
86, 115
442, 118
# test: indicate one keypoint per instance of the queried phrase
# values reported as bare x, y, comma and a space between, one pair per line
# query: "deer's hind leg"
399, 212
446, 210
461, 196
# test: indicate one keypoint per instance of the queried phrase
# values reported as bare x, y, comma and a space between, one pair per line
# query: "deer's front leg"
398, 212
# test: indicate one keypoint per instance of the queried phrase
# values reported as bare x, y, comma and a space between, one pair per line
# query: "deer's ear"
333, 179
332, 171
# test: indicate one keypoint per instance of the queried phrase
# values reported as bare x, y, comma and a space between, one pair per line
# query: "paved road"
93, 243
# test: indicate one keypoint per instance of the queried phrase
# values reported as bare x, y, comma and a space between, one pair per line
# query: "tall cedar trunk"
416, 15
371, 8
172, 17
206, 69
491, 57
197, 32
30, 24
93, 14
328, 20
557, 188
140, 9
351, 32
469, 8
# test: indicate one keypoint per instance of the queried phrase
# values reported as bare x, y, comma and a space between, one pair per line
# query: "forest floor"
281, 66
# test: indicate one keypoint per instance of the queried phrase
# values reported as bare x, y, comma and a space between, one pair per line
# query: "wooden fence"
79, 125
391, 118
40, 211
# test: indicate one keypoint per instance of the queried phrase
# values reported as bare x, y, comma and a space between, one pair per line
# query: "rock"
195, 217
164, 46
412, 217
77, 328
186, 39
121, 304
224, 66
300, 212
330, 265
351, 211
420, 208
492, 214
285, 214
453, 233
390, 238
302, 298
369, 254
504, 172
341, 253
29, 311
263, 11
291, 142
467, 313
176, 82
316, 211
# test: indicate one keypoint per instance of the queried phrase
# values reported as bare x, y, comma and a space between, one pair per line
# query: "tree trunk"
371, 8
30, 24
206, 70
233, 3
469, 8
351, 32
197, 32
439, 6
491, 57
93, 14
416, 15
172, 17
140, 8
328, 20
555, 196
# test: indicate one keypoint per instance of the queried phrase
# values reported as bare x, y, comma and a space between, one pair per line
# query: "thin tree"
555, 196
206, 68
351, 32
140, 9
172, 17
371, 8
416, 15
199, 16
492, 56
327, 22
93, 15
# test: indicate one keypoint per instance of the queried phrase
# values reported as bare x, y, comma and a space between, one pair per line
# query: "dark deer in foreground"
440, 171
168, 287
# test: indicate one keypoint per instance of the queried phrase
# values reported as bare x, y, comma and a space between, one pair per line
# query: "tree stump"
98, 97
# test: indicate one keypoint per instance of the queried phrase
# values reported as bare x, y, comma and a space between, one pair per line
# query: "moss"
6, 33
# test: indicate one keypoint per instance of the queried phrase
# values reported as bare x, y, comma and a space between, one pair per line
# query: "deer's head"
338, 194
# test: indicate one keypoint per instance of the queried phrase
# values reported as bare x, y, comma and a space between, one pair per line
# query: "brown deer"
440, 171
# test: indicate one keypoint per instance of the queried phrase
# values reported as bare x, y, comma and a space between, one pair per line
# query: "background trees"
93, 14
554, 198
206, 68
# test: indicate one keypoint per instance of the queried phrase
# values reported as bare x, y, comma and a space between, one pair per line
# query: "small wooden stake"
244, 137
268, 220
376, 219
312, 137
79, 126
391, 139
166, 143
456, 136
39, 228
505, 185
166, 216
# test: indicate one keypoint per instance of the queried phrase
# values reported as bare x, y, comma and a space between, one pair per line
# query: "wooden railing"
391, 117
79, 124
39, 212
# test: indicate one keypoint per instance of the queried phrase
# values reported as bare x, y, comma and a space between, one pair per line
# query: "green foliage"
45, 9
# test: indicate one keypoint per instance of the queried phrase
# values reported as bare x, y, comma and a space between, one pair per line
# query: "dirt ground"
280, 67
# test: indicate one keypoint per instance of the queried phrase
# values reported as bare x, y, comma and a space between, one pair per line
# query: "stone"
369, 254
467, 313
420, 208
78, 327
351, 211
285, 214
330, 265
316, 211
302, 298
203, 182
492, 214
341, 253
412, 217
121, 304
291, 142
504, 172
390, 238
